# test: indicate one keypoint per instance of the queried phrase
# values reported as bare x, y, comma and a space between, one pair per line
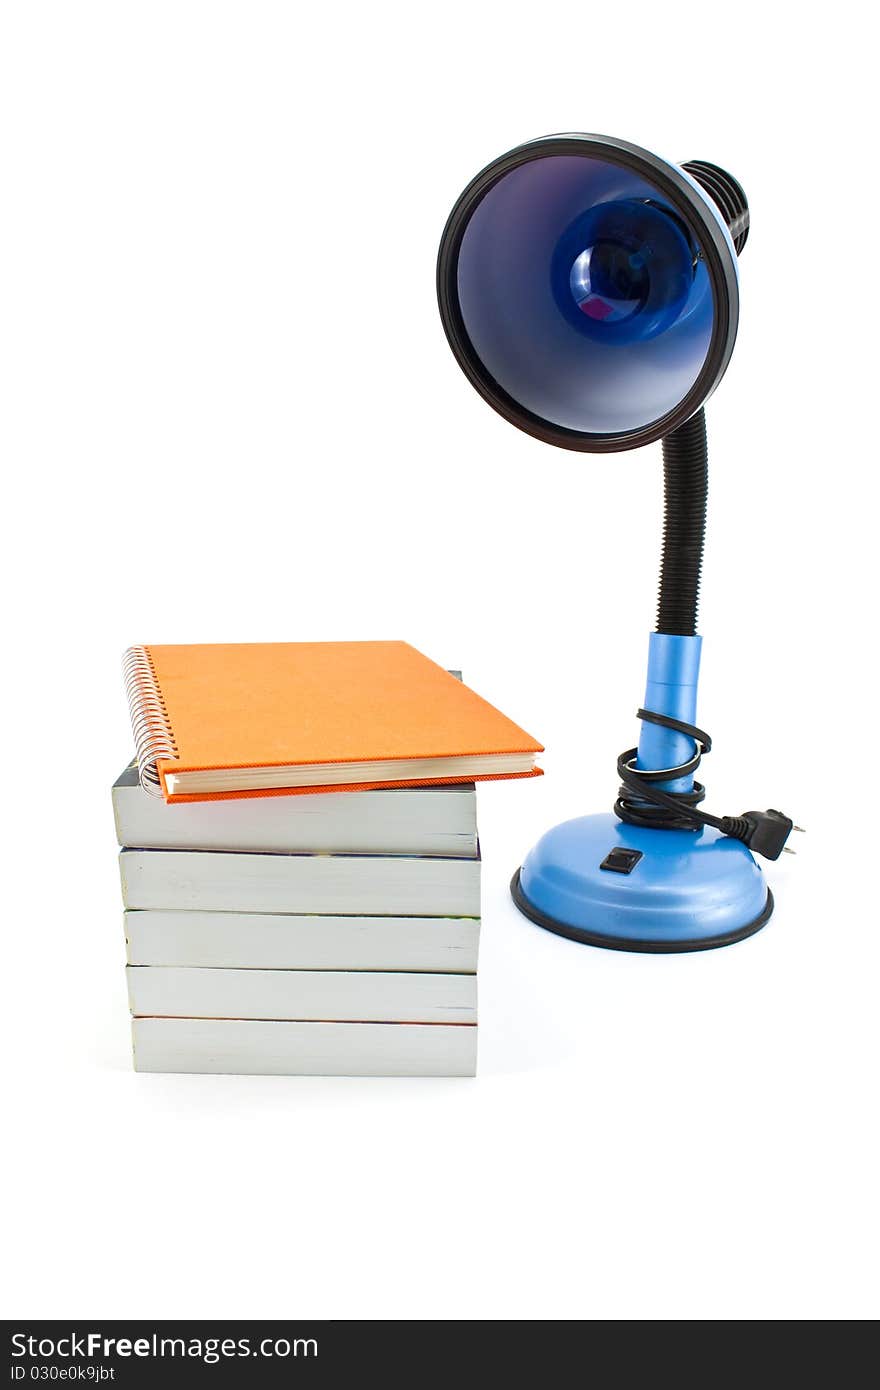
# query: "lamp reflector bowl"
589, 291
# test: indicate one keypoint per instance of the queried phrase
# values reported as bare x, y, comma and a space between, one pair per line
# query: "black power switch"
621, 861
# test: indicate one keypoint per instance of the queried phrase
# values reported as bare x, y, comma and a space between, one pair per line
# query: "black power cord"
641, 801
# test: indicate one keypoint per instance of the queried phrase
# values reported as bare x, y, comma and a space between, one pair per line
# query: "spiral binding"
153, 738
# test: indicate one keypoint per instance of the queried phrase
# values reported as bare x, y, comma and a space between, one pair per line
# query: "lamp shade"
589, 291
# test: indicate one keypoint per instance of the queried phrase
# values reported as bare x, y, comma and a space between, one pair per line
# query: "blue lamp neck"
671, 689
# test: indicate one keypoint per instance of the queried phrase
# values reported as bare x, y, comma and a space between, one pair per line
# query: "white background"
229, 413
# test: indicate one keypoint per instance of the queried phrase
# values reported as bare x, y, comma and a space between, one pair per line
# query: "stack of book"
274, 929
333, 934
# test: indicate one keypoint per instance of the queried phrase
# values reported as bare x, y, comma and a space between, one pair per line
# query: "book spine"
153, 738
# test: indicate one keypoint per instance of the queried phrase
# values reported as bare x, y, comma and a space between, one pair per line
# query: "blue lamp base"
632, 888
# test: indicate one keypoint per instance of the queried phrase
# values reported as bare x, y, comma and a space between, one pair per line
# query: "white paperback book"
396, 820
336, 884
288, 941
344, 996
253, 1047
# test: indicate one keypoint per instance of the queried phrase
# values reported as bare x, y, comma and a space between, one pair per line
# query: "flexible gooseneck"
685, 486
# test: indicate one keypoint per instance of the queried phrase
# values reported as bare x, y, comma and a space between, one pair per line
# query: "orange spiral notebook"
271, 719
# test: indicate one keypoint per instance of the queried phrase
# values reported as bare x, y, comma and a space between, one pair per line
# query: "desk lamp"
589, 292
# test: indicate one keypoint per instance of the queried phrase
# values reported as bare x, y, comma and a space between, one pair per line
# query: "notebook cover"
279, 704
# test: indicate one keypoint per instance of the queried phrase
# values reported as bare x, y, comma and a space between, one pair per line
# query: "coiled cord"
641, 802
